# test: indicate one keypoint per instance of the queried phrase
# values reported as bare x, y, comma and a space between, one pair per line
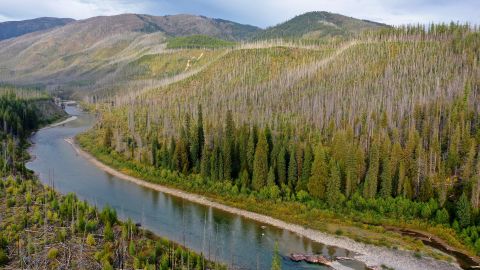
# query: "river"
234, 240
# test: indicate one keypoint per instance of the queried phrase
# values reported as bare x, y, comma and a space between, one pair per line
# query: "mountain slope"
318, 24
94, 50
99, 54
17, 28
185, 25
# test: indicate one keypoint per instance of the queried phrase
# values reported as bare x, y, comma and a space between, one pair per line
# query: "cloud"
78, 9
262, 13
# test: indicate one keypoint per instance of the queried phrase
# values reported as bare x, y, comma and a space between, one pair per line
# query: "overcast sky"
256, 12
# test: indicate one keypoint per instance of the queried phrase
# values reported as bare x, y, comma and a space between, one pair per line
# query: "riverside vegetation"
41, 229
382, 129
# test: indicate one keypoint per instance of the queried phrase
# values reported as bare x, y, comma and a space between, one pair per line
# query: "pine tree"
269, 137
453, 159
271, 177
386, 179
227, 159
197, 141
242, 148
260, 163
401, 178
228, 143
252, 142
292, 170
200, 131
180, 156
164, 157
475, 197
282, 166
468, 165
171, 154
463, 211
319, 176
205, 163
395, 159
371, 180
333, 184
306, 168
244, 179
154, 149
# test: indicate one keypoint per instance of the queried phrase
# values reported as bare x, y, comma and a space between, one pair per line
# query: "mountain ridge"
316, 24
83, 53
13, 29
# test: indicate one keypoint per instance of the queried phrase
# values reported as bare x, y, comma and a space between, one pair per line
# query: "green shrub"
52, 253
90, 240
108, 232
3, 257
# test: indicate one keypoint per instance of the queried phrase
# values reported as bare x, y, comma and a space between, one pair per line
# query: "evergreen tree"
269, 137
244, 179
442, 216
180, 156
171, 154
155, 147
306, 169
197, 141
333, 184
271, 177
468, 165
228, 143
200, 131
475, 197
252, 142
395, 159
260, 163
282, 166
164, 157
292, 170
205, 163
371, 180
319, 176
386, 179
242, 147
463, 211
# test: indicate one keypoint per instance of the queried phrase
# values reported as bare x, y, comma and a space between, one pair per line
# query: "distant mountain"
105, 51
318, 24
17, 28
185, 25
90, 51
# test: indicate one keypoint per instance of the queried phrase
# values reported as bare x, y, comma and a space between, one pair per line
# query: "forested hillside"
41, 229
381, 129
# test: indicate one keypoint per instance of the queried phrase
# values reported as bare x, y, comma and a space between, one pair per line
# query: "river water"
234, 240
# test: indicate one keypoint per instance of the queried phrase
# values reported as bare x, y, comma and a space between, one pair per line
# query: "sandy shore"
71, 118
369, 254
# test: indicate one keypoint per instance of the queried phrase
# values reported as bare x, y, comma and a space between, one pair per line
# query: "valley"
324, 135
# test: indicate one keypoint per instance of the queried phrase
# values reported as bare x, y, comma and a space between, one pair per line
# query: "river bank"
69, 119
369, 254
